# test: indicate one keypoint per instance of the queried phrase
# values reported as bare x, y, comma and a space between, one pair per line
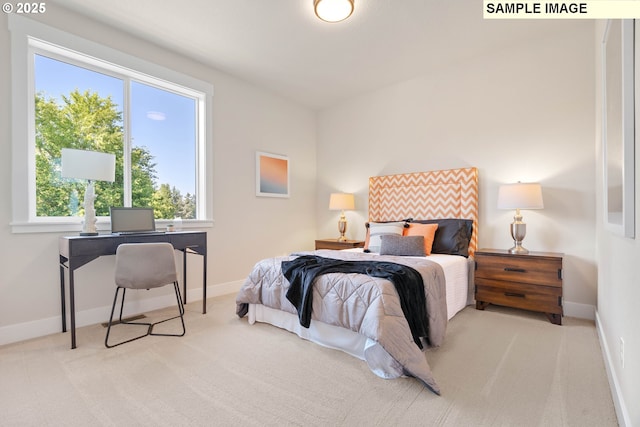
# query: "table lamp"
92, 166
519, 196
341, 202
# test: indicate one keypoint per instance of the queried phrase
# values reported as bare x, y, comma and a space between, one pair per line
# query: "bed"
362, 314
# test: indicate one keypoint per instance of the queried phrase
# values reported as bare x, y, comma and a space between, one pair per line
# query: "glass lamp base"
342, 228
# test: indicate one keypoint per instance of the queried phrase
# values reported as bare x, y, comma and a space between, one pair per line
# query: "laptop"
132, 221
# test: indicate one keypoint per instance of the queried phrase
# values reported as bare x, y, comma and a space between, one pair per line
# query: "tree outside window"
79, 108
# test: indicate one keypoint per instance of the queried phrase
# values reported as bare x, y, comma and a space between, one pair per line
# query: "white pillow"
376, 229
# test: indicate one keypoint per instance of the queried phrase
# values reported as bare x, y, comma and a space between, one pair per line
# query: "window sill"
52, 226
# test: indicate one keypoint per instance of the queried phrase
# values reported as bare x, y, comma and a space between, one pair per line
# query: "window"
153, 119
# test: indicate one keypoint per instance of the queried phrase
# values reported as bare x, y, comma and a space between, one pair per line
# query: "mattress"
458, 273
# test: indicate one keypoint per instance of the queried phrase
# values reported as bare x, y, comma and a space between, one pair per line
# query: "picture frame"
618, 128
272, 175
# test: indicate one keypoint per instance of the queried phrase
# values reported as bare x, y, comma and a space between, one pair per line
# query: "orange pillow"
428, 231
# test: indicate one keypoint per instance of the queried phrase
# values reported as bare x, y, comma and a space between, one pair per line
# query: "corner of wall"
581, 311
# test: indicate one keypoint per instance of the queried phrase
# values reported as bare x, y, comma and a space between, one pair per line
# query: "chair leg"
181, 315
149, 325
124, 293
113, 307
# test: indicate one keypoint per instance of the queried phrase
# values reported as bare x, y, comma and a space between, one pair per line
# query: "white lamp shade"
91, 165
333, 10
520, 196
341, 202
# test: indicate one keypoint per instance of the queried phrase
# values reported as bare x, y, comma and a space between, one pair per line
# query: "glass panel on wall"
163, 151
74, 108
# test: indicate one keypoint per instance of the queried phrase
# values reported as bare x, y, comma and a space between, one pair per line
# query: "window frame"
29, 38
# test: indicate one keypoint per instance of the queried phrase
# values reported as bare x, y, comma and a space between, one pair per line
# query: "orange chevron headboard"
440, 194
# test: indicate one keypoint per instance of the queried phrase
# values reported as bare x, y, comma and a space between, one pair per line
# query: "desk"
76, 251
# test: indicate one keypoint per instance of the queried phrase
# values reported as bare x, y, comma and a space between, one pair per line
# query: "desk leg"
184, 276
204, 280
72, 309
204, 284
62, 299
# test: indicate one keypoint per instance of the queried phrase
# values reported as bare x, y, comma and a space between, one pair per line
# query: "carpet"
498, 367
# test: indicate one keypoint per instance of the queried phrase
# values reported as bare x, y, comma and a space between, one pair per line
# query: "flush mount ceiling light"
333, 10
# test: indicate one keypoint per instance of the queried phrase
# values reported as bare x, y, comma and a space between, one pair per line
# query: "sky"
162, 121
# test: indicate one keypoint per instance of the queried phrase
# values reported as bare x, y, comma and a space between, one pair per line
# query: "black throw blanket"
302, 271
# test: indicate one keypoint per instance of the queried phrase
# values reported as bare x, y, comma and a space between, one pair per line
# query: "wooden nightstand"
531, 282
335, 244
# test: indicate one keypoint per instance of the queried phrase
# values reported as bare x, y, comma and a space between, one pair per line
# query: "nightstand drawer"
530, 297
533, 270
530, 281
338, 244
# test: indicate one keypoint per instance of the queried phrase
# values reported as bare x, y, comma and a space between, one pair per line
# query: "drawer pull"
517, 270
513, 294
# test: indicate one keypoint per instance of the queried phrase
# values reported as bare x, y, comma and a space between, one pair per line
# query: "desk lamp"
92, 166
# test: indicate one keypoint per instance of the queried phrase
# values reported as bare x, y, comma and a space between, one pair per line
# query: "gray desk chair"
144, 266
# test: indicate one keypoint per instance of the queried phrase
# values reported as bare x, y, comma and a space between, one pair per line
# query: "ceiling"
281, 46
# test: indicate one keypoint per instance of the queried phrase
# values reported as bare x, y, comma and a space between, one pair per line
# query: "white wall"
247, 228
619, 277
520, 114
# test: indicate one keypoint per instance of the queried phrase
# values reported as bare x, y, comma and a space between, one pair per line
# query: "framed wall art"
272, 175
618, 131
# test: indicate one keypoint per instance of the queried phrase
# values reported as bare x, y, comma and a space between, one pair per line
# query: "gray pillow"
391, 244
452, 236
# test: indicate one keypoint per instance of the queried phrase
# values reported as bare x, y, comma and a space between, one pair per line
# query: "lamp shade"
333, 10
91, 165
341, 202
520, 196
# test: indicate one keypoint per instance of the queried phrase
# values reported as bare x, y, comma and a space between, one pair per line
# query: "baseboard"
52, 325
581, 311
215, 290
37, 328
624, 420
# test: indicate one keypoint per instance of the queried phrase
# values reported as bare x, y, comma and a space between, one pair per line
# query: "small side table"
531, 281
338, 245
